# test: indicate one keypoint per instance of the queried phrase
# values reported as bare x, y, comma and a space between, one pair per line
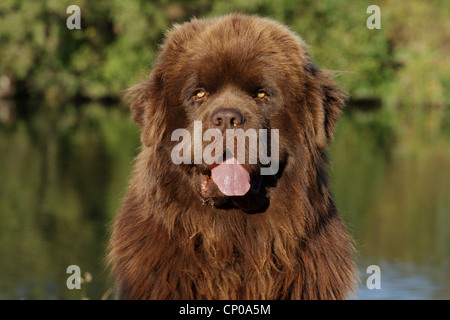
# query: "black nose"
227, 119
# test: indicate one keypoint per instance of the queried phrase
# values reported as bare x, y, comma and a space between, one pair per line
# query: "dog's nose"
227, 119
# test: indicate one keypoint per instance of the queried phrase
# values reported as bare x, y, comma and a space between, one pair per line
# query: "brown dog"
226, 230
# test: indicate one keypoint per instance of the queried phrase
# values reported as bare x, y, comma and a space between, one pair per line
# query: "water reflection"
62, 179
398, 209
63, 174
402, 280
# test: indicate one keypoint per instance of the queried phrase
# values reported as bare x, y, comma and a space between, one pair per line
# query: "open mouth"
229, 178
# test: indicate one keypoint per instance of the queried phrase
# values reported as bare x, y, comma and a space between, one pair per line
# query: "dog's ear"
328, 102
147, 107
139, 97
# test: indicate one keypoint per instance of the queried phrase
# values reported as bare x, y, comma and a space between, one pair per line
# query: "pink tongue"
231, 178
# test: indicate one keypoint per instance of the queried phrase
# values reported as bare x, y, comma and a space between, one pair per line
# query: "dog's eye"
199, 94
260, 94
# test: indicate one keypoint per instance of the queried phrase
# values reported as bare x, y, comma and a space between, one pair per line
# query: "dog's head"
232, 101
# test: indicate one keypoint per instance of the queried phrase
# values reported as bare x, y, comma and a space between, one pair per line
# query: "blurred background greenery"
67, 141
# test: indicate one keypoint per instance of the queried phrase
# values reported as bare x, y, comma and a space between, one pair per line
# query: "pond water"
63, 174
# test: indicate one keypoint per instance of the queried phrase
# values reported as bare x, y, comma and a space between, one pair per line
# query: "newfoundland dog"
229, 197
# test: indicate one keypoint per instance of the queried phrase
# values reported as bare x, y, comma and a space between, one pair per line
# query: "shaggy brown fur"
174, 238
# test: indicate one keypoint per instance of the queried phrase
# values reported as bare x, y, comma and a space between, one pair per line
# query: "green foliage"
404, 64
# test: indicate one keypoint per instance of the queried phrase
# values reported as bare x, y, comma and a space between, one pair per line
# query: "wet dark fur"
168, 241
